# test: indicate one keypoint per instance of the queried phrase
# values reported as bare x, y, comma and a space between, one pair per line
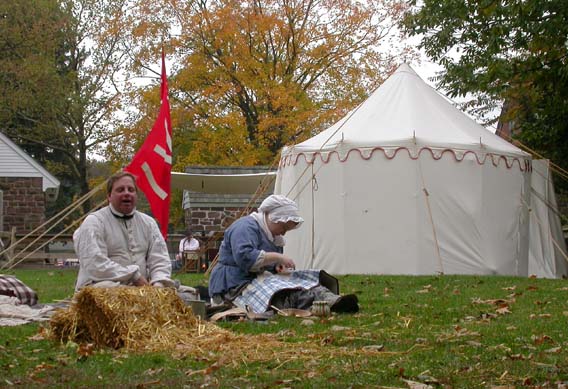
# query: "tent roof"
406, 112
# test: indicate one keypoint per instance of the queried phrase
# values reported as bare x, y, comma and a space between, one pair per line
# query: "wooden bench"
10, 238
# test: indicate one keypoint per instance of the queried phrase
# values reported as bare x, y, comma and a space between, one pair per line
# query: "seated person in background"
118, 245
189, 243
252, 271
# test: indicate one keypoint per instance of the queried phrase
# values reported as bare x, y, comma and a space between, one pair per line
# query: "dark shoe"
346, 304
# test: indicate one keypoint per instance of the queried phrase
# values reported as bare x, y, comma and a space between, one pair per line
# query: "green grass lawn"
444, 331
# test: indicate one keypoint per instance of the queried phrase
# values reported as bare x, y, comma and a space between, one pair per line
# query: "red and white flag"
152, 164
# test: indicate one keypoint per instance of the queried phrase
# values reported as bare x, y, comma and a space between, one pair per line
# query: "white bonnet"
281, 209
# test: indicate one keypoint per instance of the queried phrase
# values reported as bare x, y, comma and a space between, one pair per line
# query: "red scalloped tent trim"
524, 164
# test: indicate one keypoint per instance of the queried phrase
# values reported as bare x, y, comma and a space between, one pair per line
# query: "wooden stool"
191, 262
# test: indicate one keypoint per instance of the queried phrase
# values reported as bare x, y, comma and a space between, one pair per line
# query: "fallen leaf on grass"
510, 287
312, 374
281, 382
532, 287
406, 321
417, 385
149, 383
425, 377
541, 339
326, 340
499, 302
503, 310
286, 333
151, 372
487, 316
546, 366
374, 347
501, 347
41, 335
206, 371
425, 289
458, 333
540, 316
553, 350
86, 350
38, 369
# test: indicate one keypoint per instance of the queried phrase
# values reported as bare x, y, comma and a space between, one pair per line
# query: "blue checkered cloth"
257, 295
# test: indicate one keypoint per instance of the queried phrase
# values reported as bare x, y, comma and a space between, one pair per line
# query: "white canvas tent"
408, 184
547, 248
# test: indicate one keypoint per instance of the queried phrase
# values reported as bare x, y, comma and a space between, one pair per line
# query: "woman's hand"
285, 265
281, 269
279, 261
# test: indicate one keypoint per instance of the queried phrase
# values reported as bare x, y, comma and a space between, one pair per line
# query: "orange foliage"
251, 76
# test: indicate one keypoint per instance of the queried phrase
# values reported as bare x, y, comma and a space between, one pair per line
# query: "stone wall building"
209, 214
23, 203
25, 189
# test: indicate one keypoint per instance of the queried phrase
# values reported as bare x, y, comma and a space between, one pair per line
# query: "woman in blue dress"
253, 273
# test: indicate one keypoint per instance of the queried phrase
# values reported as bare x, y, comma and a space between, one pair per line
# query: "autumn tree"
32, 70
60, 81
249, 77
504, 51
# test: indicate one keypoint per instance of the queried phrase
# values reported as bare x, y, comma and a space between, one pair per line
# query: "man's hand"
140, 281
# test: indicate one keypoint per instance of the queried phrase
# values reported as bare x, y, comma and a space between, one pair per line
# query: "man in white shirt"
118, 245
189, 243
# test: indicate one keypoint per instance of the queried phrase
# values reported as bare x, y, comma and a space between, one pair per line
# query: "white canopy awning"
223, 183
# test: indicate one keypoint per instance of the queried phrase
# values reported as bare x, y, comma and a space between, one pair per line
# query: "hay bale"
156, 319
65, 326
130, 317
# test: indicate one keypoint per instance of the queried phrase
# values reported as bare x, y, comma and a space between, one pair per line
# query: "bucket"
198, 308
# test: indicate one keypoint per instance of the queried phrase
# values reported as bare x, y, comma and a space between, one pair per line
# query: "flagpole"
152, 163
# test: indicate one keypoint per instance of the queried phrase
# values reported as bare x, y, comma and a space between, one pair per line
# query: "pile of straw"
156, 319
130, 317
